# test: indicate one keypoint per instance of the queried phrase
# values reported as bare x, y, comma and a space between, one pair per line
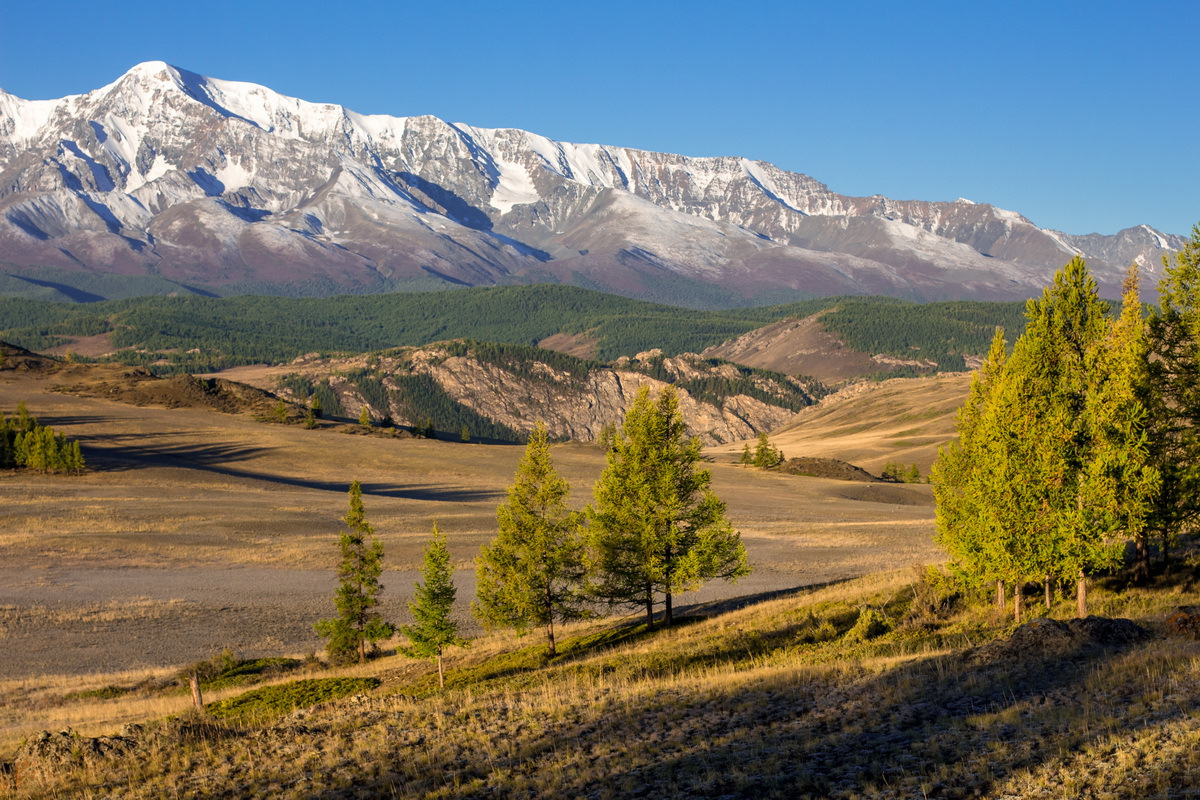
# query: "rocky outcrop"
576, 400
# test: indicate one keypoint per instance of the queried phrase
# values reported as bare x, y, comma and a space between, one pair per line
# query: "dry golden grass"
904, 420
744, 703
246, 514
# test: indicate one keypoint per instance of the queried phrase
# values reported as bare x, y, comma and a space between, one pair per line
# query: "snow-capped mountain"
223, 186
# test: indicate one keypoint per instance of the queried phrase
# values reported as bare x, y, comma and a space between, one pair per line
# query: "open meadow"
194, 530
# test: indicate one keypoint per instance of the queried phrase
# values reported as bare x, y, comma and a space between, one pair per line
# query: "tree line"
200, 334
655, 529
1084, 436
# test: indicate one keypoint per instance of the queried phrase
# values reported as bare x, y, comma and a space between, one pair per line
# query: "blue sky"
1082, 116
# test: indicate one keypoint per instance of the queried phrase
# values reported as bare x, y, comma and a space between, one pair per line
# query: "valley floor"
196, 530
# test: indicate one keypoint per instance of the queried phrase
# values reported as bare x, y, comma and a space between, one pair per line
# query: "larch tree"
1050, 468
358, 621
433, 629
1174, 397
1121, 481
530, 575
657, 528
966, 524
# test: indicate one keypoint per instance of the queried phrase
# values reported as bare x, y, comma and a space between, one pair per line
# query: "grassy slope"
779, 699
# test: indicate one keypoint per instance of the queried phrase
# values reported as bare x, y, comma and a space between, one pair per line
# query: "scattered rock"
48, 752
1185, 622
1045, 637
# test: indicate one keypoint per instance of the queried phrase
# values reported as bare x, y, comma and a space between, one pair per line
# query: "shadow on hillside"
714, 607
67, 420
120, 452
940, 725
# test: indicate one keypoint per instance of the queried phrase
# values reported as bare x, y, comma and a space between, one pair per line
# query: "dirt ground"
196, 530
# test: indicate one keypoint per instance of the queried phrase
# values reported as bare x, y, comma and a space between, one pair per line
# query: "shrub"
275, 701
871, 624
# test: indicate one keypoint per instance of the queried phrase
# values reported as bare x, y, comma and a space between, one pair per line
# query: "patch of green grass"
250, 671
275, 701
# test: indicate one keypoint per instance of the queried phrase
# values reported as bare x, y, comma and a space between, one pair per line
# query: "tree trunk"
1081, 596
649, 607
1049, 593
441, 672
1000, 603
197, 700
550, 637
1141, 561
1017, 603
362, 649
667, 618
1166, 549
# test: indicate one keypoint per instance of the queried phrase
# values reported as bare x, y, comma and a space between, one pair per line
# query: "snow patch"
1163, 244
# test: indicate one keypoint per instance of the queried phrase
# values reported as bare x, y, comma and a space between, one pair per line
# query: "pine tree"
747, 457
357, 597
364, 417
657, 527
433, 630
530, 574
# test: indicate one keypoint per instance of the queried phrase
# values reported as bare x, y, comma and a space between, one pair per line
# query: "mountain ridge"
222, 185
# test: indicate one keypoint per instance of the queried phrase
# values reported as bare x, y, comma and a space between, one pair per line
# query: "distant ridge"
165, 181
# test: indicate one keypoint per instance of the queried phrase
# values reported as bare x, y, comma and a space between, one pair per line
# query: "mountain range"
166, 181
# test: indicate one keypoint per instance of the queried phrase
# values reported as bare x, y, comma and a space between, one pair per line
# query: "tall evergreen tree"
1120, 481
530, 574
966, 497
357, 596
1051, 465
433, 630
657, 527
1174, 394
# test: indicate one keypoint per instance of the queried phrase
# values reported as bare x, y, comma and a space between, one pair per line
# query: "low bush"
275, 701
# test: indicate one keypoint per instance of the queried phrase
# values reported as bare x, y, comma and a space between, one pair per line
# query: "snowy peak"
231, 186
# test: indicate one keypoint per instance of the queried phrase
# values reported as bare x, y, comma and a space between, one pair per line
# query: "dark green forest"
195, 333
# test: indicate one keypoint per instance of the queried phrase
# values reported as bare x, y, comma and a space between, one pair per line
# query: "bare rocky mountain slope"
165, 180
720, 402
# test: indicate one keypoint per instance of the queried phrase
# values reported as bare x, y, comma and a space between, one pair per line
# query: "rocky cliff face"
224, 186
576, 400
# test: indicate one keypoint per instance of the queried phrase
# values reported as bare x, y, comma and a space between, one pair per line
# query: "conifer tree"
433, 630
1120, 481
530, 574
747, 457
357, 596
765, 454
966, 524
657, 527
1174, 395
1050, 467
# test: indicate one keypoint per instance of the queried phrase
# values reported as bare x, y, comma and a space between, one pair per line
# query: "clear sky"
1082, 116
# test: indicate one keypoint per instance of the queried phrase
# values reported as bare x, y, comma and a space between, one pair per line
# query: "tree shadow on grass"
119, 453
942, 726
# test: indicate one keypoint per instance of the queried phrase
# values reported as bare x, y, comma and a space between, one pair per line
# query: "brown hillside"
869, 424
803, 347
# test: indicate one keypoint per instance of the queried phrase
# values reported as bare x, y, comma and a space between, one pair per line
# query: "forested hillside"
205, 333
